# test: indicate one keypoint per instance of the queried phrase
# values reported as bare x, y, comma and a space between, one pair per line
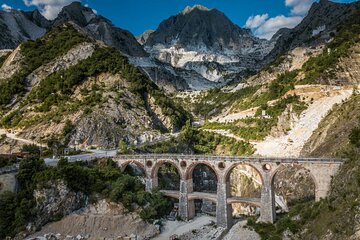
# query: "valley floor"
201, 228
179, 228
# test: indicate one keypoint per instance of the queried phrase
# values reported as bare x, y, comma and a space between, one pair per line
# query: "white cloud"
6, 7
94, 10
299, 7
256, 21
49, 8
272, 25
265, 27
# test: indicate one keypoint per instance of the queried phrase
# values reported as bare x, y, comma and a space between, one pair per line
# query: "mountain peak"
198, 27
189, 9
77, 13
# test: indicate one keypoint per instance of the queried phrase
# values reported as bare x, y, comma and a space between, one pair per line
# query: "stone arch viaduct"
321, 170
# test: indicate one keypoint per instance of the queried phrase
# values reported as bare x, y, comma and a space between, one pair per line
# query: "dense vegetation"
322, 66
258, 128
98, 180
192, 140
216, 100
7, 161
36, 53
275, 90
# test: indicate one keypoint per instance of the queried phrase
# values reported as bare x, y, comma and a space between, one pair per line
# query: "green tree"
32, 149
355, 137
7, 213
123, 147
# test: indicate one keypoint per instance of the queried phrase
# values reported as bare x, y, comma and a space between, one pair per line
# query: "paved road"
83, 157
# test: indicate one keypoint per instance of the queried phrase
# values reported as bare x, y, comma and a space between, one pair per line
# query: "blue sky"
264, 17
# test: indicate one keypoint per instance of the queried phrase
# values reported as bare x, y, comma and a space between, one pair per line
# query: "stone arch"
284, 166
157, 165
241, 190
210, 184
137, 163
234, 165
167, 185
294, 166
191, 167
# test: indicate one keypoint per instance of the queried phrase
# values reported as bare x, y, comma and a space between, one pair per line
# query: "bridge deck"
229, 158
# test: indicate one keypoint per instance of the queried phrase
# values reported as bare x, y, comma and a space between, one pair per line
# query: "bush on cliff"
97, 179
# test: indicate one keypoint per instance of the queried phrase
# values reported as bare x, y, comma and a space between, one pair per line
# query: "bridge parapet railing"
228, 158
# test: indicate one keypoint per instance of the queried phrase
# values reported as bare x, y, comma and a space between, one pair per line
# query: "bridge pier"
267, 210
223, 209
186, 206
150, 183
322, 175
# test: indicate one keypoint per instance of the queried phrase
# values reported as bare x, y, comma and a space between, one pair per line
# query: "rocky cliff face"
331, 137
198, 27
100, 28
56, 201
144, 36
11, 65
316, 28
18, 26
206, 44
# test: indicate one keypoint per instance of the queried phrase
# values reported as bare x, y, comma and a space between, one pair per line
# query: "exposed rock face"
71, 58
206, 44
347, 70
245, 181
57, 200
295, 184
11, 65
101, 220
18, 26
143, 37
100, 28
198, 27
332, 135
106, 125
164, 76
316, 28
